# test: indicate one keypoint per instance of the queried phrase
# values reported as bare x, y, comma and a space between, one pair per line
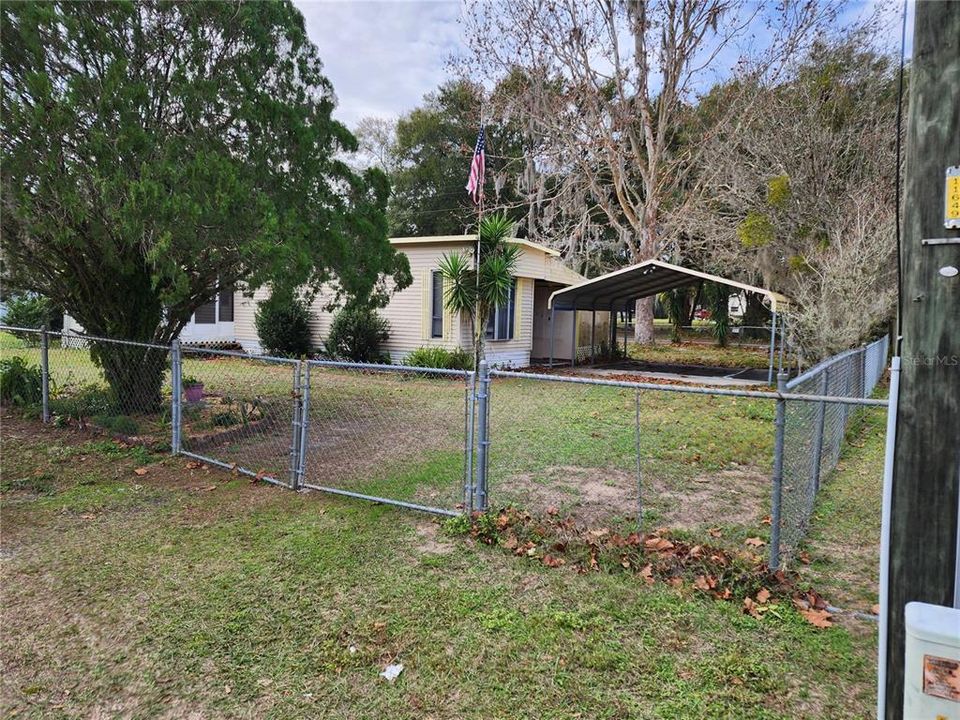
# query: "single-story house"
211, 324
517, 334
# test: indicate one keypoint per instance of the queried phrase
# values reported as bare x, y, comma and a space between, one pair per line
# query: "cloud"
382, 56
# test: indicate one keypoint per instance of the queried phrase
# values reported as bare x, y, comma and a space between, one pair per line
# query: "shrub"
88, 401
357, 333
123, 424
21, 383
226, 418
32, 311
438, 357
283, 325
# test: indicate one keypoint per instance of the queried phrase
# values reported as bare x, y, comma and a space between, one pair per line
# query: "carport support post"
483, 392
777, 491
553, 331
45, 372
573, 344
593, 336
773, 340
626, 322
613, 332
176, 393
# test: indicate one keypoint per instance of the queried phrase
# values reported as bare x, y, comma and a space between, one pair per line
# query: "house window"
226, 304
500, 322
436, 305
206, 314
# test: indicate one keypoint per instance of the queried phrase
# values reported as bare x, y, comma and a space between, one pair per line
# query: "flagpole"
480, 331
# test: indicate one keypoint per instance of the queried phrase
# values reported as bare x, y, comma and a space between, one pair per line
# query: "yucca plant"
497, 262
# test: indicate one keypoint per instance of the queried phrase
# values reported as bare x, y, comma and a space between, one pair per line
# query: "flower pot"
194, 393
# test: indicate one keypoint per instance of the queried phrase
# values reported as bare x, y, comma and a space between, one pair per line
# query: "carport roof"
619, 289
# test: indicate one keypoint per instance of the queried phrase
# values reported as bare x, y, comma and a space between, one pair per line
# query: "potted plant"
193, 389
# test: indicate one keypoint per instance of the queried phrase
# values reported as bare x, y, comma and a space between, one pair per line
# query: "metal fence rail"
447, 442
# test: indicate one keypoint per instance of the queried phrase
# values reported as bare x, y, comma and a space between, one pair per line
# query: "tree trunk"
135, 375
643, 326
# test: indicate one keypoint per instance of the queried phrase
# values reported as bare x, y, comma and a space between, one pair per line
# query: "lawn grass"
187, 590
552, 443
698, 353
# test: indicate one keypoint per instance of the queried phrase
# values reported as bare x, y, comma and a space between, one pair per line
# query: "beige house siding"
409, 311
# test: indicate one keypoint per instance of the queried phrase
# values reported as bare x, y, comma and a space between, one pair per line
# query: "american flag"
477, 167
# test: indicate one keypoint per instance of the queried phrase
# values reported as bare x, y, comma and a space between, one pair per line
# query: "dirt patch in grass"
593, 495
430, 542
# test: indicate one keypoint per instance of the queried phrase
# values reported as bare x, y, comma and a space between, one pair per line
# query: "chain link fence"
611, 454
392, 433
695, 459
814, 431
240, 412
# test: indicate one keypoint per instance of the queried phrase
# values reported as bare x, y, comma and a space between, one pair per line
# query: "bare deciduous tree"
803, 198
605, 91
376, 137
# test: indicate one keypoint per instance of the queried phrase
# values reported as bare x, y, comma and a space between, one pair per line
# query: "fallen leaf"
766, 520
763, 596
804, 557
552, 510
659, 544
701, 583
817, 618
647, 574
599, 532
551, 561
750, 607
140, 471
88, 516
511, 542
875, 609
715, 532
194, 465
625, 561
755, 542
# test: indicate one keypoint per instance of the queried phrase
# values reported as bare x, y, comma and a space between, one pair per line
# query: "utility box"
932, 675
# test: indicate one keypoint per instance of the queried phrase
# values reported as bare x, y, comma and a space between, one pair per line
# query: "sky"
382, 56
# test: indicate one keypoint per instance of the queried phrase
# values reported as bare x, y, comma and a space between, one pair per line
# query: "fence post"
45, 372
483, 430
818, 437
639, 476
773, 341
469, 406
295, 429
777, 494
304, 426
176, 396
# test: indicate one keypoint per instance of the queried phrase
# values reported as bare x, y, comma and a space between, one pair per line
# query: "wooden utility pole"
926, 469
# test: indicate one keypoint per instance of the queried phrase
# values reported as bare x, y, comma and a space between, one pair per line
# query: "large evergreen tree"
152, 151
431, 158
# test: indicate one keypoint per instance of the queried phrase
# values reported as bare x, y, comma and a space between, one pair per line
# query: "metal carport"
619, 290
